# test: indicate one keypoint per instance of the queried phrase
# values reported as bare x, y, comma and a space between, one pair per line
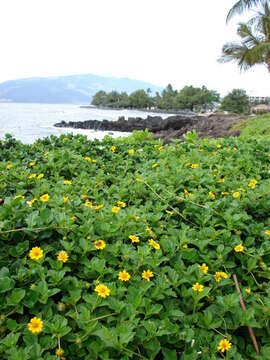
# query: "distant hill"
74, 89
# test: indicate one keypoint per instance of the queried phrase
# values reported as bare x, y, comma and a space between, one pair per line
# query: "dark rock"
152, 123
173, 127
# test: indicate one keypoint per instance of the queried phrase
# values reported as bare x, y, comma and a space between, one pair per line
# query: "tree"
193, 98
99, 99
242, 5
254, 47
139, 99
167, 98
237, 101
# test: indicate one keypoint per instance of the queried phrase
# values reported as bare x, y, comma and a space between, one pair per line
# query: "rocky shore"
215, 125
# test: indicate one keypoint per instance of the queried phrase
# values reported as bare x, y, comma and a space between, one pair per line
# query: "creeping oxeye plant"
128, 249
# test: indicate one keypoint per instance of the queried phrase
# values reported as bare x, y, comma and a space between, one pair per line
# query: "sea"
29, 122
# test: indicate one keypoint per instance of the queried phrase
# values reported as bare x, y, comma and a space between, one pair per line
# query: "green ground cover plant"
255, 126
126, 249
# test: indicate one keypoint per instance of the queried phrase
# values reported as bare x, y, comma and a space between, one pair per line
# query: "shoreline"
172, 127
156, 111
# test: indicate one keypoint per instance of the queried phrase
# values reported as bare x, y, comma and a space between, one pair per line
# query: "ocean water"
29, 122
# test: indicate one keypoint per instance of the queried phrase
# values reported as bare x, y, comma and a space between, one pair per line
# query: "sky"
158, 41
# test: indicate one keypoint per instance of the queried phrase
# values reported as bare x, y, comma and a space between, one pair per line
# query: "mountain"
74, 89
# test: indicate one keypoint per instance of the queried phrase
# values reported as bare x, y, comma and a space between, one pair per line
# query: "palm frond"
243, 5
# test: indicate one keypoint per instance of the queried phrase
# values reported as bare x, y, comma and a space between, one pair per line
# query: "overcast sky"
159, 41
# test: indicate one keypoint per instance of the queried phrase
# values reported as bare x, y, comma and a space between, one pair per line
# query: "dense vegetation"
189, 97
236, 102
126, 249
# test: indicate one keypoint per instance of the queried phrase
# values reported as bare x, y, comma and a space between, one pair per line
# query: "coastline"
156, 111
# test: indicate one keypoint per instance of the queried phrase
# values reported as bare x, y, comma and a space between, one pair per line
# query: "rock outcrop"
152, 123
173, 127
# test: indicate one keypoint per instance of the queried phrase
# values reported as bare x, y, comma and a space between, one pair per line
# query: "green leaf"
15, 297
169, 354
10, 340
6, 284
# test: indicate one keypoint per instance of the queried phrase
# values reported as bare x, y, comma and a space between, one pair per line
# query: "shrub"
180, 220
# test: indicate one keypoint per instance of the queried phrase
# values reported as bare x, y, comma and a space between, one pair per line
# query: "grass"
254, 126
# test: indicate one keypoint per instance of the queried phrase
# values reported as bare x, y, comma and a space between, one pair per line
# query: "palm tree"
254, 47
243, 5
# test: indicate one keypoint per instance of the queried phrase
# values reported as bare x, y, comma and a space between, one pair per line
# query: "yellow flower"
65, 199
224, 345
84, 196
32, 164
221, 180
248, 291
98, 207
252, 185
44, 198
67, 182
147, 275
121, 204
35, 325
194, 166
62, 256
134, 238
236, 194
267, 232
204, 268
31, 202
154, 244
160, 148
211, 195
32, 176
102, 290
224, 193
239, 248
59, 352
220, 275
100, 244
9, 166
197, 287
131, 152
88, 204
113, 148
32, 286
185, 246
40, 176
124, 275
36, 253
219, 146
115, 209
149, 230
154, 165
87, 158
169, 212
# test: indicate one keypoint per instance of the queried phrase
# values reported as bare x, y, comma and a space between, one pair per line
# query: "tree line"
188, 98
